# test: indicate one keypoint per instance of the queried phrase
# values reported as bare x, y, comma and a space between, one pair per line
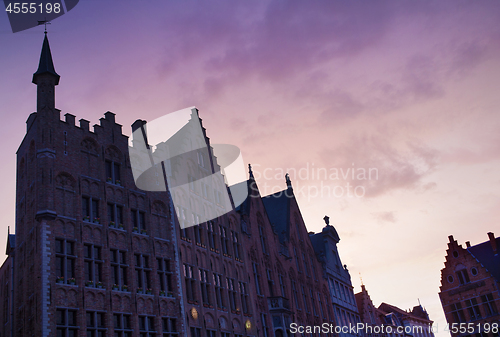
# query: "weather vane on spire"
44, 22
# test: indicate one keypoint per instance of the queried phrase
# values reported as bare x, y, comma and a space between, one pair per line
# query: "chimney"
467, 243
493, 242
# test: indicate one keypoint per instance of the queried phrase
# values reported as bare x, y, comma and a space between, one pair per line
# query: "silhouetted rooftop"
46, 66
278, 209
484, 254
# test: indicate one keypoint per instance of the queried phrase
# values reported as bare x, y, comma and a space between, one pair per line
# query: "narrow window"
122, 325
256, 275
92, 265
65, 261
147, 326
66, 322
165, 277
169, 327
219, 291
113, 172
205, 288
119, 269
96, 324
90, 209
190, 283
244, 297
142, 272
138, 221
232, 294
489, 306
270, 282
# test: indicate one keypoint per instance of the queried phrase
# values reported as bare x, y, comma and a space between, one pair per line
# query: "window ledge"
67, 284
114, 184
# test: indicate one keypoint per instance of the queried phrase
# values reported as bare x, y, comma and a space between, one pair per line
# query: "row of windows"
473, 308
225, 292
305, 263
67, 324
91, 213
309, 299
345, 318
93, 264
341, 291
215, 237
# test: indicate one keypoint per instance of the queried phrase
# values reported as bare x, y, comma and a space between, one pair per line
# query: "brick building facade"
470, 287
95, 256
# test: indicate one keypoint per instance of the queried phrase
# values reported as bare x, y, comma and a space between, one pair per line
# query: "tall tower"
93, 254
35, 209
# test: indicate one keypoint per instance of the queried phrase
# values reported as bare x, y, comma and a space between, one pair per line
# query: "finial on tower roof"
288, 181
250, 170
44, 22
327, 220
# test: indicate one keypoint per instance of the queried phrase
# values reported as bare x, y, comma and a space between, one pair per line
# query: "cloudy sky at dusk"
407, 88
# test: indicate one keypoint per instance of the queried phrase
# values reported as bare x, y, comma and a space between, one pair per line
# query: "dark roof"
420, 312
318, 244
46, 66
244, 207
484, 254
278, 210
388, 308
11, 243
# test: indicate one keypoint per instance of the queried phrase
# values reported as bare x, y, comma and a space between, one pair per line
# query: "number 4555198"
26, 7
470, 328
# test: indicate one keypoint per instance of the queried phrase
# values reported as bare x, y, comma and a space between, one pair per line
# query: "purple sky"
409, 88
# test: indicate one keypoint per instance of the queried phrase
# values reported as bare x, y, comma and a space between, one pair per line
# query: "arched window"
463, 276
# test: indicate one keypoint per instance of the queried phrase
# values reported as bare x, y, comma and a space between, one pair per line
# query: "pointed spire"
46, 66
250, 172
288, 181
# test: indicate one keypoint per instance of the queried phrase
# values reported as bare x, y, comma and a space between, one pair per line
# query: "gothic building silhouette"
92, 255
